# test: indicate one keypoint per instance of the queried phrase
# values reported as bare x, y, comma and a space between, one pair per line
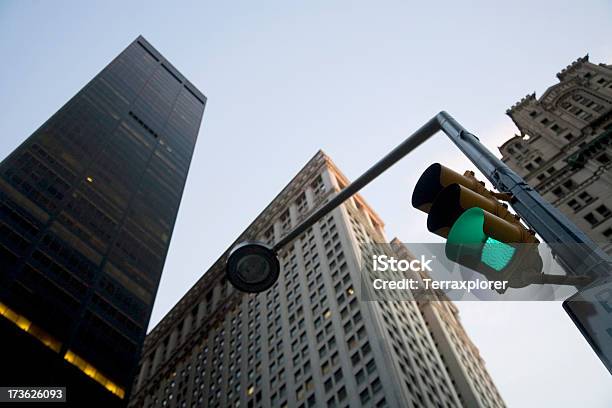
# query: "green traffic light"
496, 254
468, 239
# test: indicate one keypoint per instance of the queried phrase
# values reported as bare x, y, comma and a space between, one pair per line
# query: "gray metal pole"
408, 145
591, 307
577, 253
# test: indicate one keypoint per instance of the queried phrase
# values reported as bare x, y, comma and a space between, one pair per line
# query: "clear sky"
353, 78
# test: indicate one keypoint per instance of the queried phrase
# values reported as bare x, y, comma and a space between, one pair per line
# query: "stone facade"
563, 146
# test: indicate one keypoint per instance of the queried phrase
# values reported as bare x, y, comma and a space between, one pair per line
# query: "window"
328, 385
603, 211
601, 214
574, 204
371, 366
585, 197
567, 186
603, 158
376, 386
364, 396
269, 236
582, 106
570, 184
299, 393
285, 220
591, 219
558, 192
381, 404
341, 394
556, 128
338, 375
360, 376
318, 186
581, 201
301, 203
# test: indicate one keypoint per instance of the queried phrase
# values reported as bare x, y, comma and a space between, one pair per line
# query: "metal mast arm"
577, 253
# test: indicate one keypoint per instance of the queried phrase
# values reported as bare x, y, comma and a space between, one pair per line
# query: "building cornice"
520, 104
572, 67
552, 95
510, 141
358, 197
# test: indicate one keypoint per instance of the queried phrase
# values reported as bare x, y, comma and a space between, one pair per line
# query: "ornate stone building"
308, 341
563, 148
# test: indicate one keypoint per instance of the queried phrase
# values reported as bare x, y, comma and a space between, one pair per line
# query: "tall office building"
87, 208
308, 341
461, 357
563, 149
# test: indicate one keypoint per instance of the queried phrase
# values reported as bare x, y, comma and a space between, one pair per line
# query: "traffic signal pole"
591, 308
578, 255
573, 249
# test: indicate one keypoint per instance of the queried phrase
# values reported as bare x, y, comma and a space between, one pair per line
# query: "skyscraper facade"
310, 340
563, 148
87, 208
461, 357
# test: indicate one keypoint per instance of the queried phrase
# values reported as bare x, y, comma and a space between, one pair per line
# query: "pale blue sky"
353, 78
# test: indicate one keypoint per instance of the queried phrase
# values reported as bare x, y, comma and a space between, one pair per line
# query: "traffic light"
447, 194
498, 249
481, 233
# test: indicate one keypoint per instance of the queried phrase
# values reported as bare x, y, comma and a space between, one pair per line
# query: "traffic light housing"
481, 233
446, 194
498, 249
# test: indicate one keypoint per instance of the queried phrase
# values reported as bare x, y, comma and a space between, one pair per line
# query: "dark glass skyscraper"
87, 208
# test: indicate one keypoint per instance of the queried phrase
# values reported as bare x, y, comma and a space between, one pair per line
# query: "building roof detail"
572, 67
